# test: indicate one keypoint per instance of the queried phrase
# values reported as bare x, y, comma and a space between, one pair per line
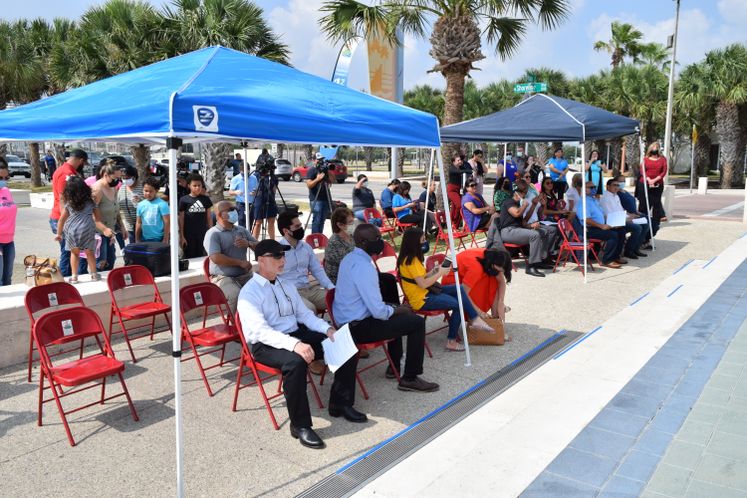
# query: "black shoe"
389, 374
641, 254
632, 256
307, 437
350, 414
534, 272
545, 266
418, 385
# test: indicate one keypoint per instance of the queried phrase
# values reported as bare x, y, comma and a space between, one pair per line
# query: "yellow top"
414, 293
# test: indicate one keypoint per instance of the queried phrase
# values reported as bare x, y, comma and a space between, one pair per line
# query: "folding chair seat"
385, 228
443, 236
257, 369
203, 297
522, 250
46, 298
570, 244
388, 252
475, 234
317, 240
128, 277
67, 325
363, 346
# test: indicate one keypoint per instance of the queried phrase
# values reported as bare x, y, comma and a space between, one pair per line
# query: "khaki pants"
314, 297
231, 286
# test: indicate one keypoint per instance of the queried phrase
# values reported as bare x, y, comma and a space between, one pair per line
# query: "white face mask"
128, 182
350, 228
365, 184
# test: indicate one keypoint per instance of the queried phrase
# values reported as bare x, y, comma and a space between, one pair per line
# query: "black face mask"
655, 152
375, 247
425, 247
113, 183
297, 233
491, 271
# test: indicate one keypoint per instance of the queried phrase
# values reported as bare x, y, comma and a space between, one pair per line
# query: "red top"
654, 168
482, 286
58, 185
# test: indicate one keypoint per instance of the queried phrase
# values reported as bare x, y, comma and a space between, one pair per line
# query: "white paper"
53, 301
548, 223
617, 218
67, 328
640, 221
128, 279
338, 352
198, 298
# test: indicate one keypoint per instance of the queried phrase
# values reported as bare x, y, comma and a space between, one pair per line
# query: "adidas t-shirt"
195, 217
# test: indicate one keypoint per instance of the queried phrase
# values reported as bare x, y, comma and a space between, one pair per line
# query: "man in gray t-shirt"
226, 244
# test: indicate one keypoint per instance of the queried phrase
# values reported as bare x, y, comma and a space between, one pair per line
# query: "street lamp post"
670, 93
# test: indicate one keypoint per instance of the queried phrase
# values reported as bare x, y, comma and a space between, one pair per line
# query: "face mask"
233, 217
128, 182
375, 247
490, 270
655, 152
113, 183
350, 229
425, 246
3, 184
365, 184
519, 154
297, 233
621, 184
508, 157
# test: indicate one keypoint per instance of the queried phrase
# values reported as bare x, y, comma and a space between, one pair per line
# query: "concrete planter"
21, 197
43, 200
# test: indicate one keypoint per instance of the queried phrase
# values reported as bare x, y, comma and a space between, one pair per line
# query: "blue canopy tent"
217, 94
545, 118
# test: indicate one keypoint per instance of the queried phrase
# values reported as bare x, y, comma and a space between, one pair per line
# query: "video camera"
322, 165
265, 164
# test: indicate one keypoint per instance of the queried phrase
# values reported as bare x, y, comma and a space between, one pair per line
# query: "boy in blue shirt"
152, 223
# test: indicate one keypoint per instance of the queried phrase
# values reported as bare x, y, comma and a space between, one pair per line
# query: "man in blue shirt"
510, 169
237, 190
596, 228
359, 303
51, 164
387, 195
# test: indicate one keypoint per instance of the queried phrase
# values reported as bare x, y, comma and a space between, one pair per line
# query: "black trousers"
388, 288
657, 208
559, 188
294, 369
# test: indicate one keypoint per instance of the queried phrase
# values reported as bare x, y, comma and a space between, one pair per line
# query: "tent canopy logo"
205, 117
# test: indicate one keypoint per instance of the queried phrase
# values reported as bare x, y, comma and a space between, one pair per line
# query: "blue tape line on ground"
675, 290
642, 296
682, 267
539, 346
577, 343
711, 261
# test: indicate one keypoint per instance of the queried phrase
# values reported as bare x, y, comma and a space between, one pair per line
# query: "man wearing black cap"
73, 166
285, 334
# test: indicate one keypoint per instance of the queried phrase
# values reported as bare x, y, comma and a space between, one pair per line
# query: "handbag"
432, 289
481, 338
41, 271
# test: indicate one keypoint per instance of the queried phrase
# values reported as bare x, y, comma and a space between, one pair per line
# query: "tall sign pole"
670, 93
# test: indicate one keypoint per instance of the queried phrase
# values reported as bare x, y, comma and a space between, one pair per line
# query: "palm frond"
506, 33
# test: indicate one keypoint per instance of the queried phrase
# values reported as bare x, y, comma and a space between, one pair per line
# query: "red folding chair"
248, 361
459, 235
362, 346
67, 325
128, 277
47, 298
521, 250
206, 267
215, 337
474, 234
317, 240
385, 228
570, 244
388, 252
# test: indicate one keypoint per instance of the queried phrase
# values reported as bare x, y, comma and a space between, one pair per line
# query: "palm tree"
625, 42
695, 106
456, 36
557, 82
654, 54
426, 98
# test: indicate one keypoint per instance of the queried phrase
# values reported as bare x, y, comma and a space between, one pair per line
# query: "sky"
704, 25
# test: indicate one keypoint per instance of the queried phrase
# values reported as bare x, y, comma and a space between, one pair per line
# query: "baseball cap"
319, 155
269, 246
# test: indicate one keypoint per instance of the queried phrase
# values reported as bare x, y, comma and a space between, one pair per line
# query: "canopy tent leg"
649, 210
244, 145
428, 178
450, 230
173, 144
583, 201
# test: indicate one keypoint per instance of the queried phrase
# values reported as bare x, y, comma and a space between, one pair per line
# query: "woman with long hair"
594, 170
128, 197
105, 197
407, 210
656, 168
552, 208
501, 192
416, 282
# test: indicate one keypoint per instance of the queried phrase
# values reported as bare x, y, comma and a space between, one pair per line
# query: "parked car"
283, 169
17, 166
336, 167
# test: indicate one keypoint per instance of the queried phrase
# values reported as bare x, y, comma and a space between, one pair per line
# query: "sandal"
454, 349
72, 280
95, 277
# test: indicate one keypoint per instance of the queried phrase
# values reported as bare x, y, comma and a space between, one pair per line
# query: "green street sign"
530, 87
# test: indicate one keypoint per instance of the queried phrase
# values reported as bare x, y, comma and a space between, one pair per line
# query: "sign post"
530, 87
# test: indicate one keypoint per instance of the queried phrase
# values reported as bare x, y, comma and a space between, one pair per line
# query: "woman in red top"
655, 170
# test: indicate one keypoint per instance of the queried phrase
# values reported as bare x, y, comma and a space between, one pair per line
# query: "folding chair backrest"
329, 300
131, 276
244, 345
66, 325
51, 297
371, 214
433, 261
440, 218
202, 295
317, 240
566, 230
206, 267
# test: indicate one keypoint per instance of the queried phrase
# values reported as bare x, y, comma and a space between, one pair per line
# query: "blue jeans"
359, 216
64, 262
108, 254
320, 212
7, 255
447, 300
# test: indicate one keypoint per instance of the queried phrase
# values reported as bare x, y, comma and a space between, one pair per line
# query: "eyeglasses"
274, 255
287, 299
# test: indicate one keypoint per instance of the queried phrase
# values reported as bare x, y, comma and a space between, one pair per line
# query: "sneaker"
95, 277
389, 374
417, 385
72, 280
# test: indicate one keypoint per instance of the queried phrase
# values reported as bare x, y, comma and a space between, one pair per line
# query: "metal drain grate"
379, 459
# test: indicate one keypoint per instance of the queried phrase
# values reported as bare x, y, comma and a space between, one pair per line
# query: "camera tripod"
264, 189
329, 199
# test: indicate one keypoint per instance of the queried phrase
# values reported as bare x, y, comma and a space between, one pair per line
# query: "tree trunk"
453, 109
281, 150
615, 153
368, 155
141, 153
308, 152
3, 150
401, 160
217, 157
632, 153
59, 154
732, 144
702, 154
35, 164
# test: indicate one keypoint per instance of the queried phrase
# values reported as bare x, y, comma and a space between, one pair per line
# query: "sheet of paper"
341, 350
640, 221
617, 219
548, 223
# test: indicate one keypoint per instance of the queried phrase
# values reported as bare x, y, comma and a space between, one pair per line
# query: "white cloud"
733, 11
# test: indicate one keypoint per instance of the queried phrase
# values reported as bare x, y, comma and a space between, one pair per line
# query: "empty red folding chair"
214, 337
129, 277
47, 298
362, 346
388, 252
442, 236
317, 240
570, 244
60, 327
385, 228
248, 361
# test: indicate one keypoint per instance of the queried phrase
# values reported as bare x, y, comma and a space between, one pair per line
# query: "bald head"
222, 206
365, 232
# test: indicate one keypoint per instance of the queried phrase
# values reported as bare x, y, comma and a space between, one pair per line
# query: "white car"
17, 166
283, 169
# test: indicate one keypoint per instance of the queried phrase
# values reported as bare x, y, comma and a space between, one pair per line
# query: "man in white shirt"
300, 260
285, 334
610, 203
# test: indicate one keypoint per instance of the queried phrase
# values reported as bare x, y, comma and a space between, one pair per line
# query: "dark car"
336, 167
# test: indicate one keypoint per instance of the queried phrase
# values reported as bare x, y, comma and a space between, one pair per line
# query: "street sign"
530, 87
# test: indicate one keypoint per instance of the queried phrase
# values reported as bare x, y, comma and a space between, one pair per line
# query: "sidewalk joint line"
709, 262
675, 290
641, 297
582, 339
682, 267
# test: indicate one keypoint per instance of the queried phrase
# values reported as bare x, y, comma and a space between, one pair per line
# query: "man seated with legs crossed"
285, 334
610, 203
596, 228
359, 303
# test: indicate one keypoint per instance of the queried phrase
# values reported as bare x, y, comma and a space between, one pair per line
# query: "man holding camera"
263, 185
318, 181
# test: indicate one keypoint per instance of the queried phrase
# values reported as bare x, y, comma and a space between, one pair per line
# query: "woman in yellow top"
415, 283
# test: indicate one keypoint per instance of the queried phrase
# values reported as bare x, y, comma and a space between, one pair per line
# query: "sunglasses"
472, 185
